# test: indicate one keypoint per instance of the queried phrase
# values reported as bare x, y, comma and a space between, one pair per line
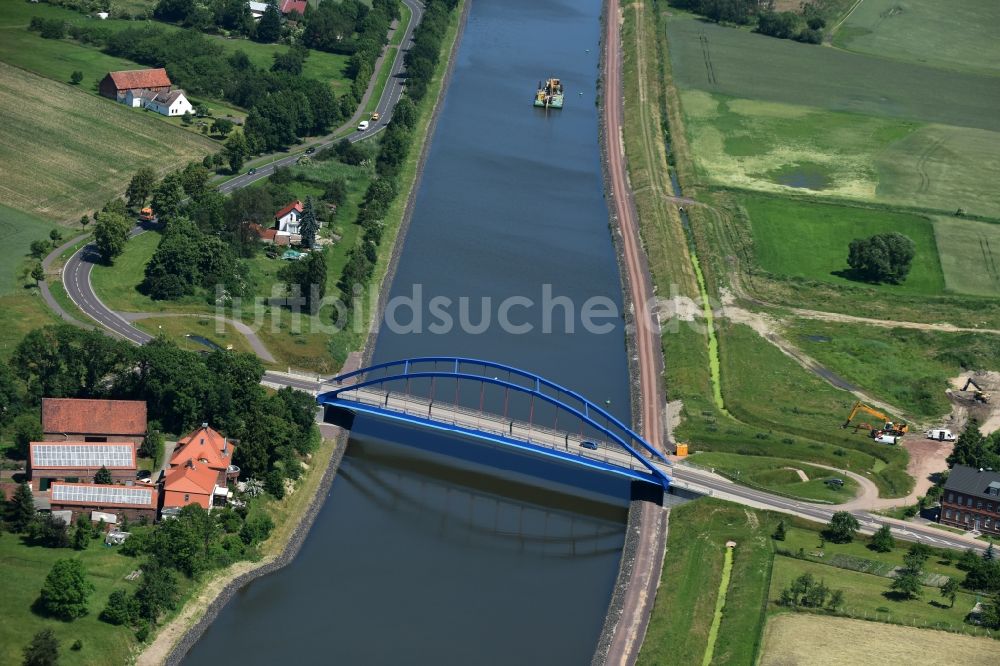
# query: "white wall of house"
289, 224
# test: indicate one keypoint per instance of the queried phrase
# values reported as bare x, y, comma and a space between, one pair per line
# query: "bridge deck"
608, 452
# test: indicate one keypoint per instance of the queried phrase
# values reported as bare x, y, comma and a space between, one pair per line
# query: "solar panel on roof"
102, 494
80, 455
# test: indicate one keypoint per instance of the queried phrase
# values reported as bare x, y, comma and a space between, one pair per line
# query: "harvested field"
805, 640
954, 35
970, 255
64, 153
718, 59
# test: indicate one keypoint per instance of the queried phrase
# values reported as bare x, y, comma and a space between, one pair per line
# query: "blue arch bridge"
500, 405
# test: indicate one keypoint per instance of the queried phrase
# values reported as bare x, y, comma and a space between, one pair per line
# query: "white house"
138, 97
257, 9
172, 103
287, 220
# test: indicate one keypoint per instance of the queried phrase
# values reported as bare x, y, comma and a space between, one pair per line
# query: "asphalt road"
76, 279
77, 271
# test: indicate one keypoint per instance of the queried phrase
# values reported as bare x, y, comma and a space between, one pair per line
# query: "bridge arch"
564, 400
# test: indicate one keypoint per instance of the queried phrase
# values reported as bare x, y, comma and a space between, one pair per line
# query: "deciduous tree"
66, 590
842, 527
883, 257
950, 591
140, 187
43, 650
882, 540
111, 235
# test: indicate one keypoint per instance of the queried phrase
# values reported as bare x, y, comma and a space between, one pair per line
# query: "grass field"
685, 601
909, 368
866, 593
17, 230
956, 35
64, 153
810, 640
970, 255
779, 475
718, 59
810, 240
794, 149
25, 569
180, 330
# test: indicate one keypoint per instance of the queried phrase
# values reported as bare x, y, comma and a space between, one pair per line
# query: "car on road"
363, 125
587, 444
375, 116
251, 172
310, 150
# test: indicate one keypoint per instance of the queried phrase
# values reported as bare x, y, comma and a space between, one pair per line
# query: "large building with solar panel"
135, 502
79, 461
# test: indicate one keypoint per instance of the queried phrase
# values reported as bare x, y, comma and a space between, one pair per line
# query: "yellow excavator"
888, 427
979, 395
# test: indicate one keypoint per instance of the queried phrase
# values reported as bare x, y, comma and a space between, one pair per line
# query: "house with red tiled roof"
79, 461
79, 420
298, 6
200, 470
286, 220
117, 84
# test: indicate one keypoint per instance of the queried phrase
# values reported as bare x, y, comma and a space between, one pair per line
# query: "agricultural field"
685, 601
963, 37
780, 475
810, 240
810, 640
717, 59
970, 255
793, 149
909, 368
64, 153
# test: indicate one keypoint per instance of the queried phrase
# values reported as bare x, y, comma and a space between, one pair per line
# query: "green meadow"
970, 255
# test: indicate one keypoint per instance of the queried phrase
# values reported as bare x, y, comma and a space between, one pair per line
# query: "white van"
363, 125
940, 434
887, 439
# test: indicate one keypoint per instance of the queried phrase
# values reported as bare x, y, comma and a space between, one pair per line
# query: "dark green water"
411, 560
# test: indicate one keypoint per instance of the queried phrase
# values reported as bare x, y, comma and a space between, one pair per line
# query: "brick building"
200, 470
134, 502
75, 420
79, 461
971, 500
116, 85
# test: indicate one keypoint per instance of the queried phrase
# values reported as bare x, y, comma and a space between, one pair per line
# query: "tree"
836, 600
82, 534
103, 477
269, 26
37, 273
43, 650
237, 150
309, 225
157, 591
47, 530
140, 187
84, 221
152, 445
882, 540
842, 528
121, 609
168, 195
916, 556
39, 248
336, 191
222, 127
972, 449
111, 235
988, 554
882, 257
21, 508
779, 533
66, 590
55, 236
76, 77
27, 428
950, 590
907, 583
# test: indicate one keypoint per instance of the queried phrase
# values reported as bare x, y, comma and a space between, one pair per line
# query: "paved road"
77, 271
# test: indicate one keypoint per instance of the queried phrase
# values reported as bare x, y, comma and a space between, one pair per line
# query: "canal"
412, 559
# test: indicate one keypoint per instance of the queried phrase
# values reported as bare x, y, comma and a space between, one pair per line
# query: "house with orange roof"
200, 470
76, 420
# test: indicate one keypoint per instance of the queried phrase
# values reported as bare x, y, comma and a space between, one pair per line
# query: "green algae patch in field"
970, 255
810, 240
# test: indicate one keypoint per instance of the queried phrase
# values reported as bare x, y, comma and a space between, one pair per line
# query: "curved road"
77, 271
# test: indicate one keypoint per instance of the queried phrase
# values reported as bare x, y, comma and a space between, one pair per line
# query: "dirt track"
640, 593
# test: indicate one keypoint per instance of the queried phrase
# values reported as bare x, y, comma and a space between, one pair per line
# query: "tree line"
805, 26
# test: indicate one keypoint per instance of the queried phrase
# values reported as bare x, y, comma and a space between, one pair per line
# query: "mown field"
793, 149
962, 37
798, 238
810, 640
970, 255
64, 153
779, 475
718, 59
18, 229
